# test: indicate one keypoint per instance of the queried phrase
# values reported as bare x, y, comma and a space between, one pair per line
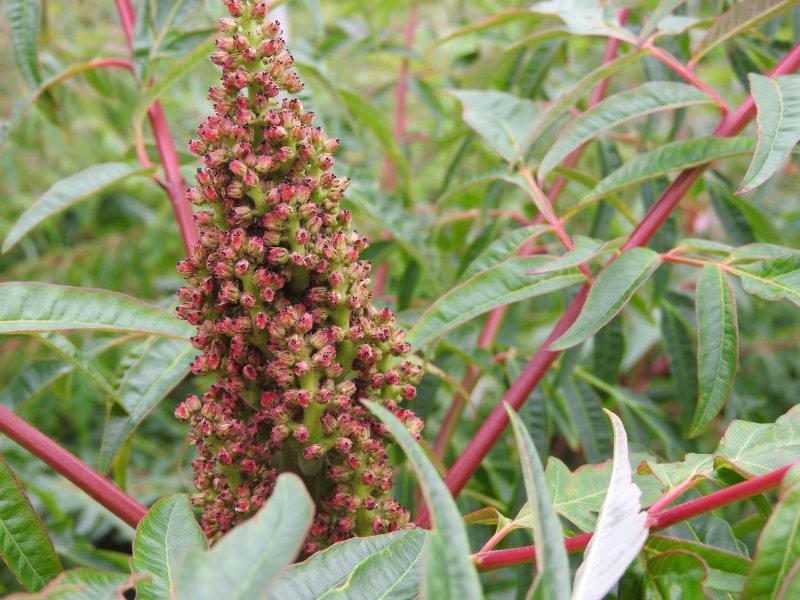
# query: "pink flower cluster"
282, 308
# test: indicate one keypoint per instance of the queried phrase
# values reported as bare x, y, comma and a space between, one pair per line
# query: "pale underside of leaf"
585, 250
502, 248
663, 9
621, 527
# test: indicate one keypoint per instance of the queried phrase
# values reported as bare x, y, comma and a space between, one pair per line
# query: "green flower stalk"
283, 309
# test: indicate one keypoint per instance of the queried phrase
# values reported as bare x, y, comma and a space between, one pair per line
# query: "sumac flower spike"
283, 309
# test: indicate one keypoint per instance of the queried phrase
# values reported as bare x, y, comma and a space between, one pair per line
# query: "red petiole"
495, 559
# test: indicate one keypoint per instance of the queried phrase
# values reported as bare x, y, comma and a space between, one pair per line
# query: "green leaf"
651, 97
158, 366
778, 548
584, 17
67, 350
585, 250
503, 248
578, 495
664, 8
27, 307
155, 24
22, 106
29, 382
449, 572
552, 564
365, 113
24, 17
504, 121
81, 584
247, 561
379, 566
560, 105
674, 156
772, 279
677, 575
740, 16
717, 345
502, 284
164, 537
679, 337
611, 291
759, 448
67, 193
621, 526
752, 448
586, 415
608, 350
778, 118
488, 515
715, 558
673, 25
752, 253
726, 207
25, 545
501, 18
457, 191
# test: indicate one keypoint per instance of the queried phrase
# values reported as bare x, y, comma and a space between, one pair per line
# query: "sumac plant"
562, 233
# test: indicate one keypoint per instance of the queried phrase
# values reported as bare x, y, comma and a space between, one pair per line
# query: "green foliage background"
426, 230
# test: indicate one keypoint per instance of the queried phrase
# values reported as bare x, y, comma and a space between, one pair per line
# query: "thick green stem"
363, 516
312, 417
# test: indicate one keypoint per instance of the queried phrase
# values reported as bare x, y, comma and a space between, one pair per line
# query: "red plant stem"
176, 187
729, 126
400, 96
495, 559
491, 430
453, 416
496, 316
122, 63
71, 467
548, 214
389, 171
671, 495
687, 74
